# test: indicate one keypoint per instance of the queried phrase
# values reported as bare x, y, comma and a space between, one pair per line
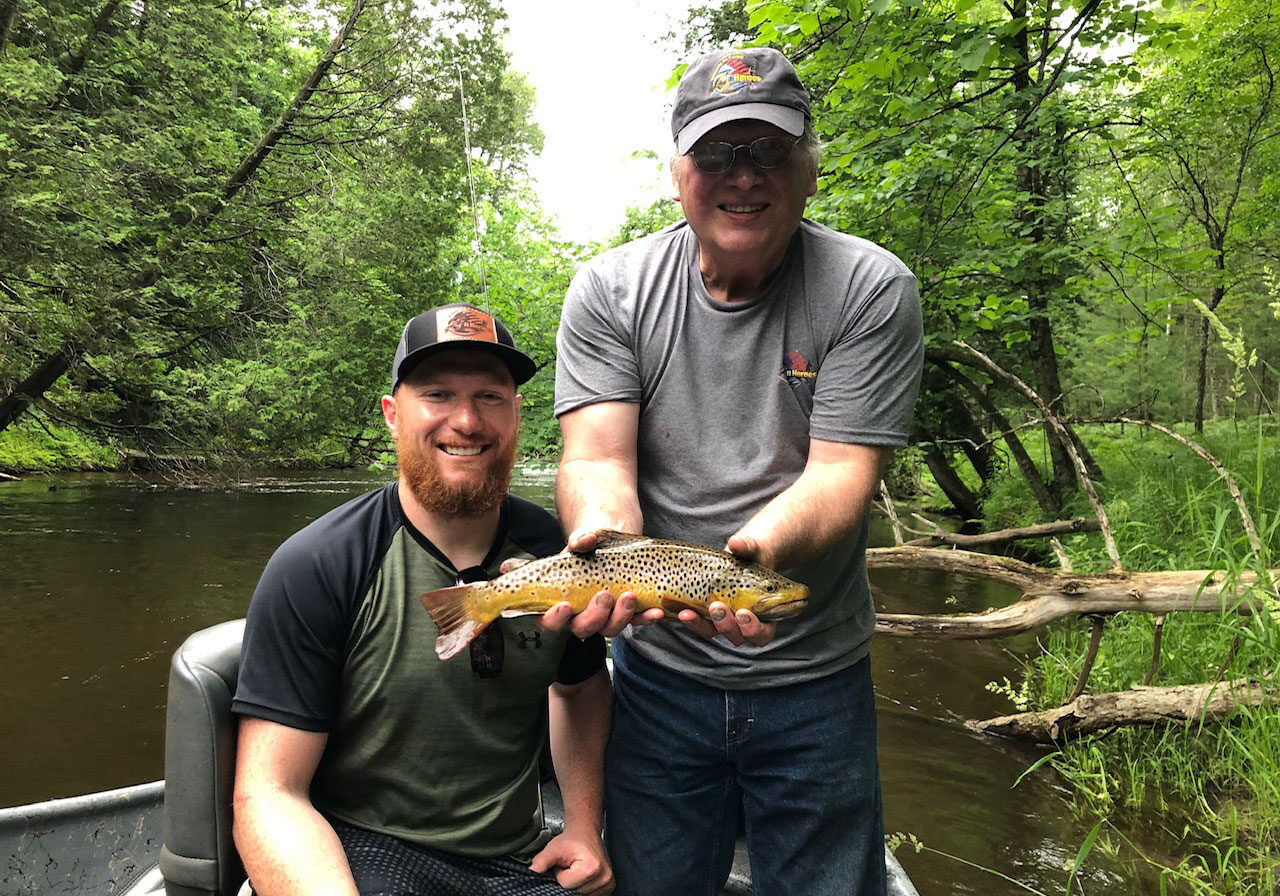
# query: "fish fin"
611, 538
453, 611
672, 606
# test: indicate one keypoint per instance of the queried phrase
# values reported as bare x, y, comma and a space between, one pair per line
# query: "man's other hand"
577, 863
743, 627
603, 615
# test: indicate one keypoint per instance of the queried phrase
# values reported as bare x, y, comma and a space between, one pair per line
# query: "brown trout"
671, 575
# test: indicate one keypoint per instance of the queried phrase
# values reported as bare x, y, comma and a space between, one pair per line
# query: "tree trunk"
1004, 536
1184, 704
8, 13
1202, 374
1048, 596
999, 423
75, 64
35, 385
1036, 280
962, 499
976, 447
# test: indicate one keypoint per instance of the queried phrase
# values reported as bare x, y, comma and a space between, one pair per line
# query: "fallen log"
1141, 705
1048, 595
1004, 536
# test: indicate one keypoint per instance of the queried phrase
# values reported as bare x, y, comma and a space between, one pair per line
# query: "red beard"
421, 472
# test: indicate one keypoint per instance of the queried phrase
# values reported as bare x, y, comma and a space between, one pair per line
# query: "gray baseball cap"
729, 85
458, 325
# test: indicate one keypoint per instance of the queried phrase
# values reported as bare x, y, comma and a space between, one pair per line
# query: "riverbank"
32, 447
1171, 510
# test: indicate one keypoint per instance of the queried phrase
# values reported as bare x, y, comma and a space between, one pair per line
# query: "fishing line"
476, 246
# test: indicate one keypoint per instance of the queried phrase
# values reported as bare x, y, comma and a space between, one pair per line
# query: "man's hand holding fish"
659, 577
609, 615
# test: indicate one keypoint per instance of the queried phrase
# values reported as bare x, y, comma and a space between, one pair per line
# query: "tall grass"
1215, 786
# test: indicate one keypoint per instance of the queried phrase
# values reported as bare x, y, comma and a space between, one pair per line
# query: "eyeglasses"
765, 152
489, 647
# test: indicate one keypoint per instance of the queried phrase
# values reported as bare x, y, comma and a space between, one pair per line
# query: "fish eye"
769, 586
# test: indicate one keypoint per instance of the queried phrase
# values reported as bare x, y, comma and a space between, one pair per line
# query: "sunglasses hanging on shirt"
488, 649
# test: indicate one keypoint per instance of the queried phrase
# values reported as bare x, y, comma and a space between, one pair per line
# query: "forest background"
216, 216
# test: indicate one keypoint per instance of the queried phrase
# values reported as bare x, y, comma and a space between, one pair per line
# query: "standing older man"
366, 764
740, 379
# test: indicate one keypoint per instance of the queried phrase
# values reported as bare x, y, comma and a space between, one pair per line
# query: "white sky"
599, 78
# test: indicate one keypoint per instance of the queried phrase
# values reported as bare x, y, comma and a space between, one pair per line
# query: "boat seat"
198, 857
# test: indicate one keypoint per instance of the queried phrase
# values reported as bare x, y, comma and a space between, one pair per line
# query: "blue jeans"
796, 765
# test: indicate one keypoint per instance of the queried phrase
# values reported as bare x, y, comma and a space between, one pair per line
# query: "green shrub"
29, 446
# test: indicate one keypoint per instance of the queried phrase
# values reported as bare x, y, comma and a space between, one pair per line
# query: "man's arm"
832, 495
596, 485
286, 845
806, 519
596, 489
579, 722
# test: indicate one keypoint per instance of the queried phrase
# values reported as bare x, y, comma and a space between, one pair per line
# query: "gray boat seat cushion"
198, 857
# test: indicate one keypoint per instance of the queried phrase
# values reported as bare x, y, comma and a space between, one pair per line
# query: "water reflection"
101, 577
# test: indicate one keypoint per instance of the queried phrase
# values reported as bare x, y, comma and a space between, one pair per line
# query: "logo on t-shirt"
530, 639
796, 367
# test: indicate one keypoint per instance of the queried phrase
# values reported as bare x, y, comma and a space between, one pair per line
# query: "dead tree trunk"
959, 494
1004, 536
1048, 596
1091, 713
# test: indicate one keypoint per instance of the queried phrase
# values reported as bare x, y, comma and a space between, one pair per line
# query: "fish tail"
455, 613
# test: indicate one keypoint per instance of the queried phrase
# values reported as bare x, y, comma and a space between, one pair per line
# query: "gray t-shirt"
730, 394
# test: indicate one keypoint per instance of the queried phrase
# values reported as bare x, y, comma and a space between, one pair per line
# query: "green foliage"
248, 315
1169, 509
35, 446
640, 222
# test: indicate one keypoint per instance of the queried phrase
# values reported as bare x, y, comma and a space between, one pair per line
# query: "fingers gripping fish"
670, 575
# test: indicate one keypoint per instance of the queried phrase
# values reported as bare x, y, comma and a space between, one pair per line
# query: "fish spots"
670, 575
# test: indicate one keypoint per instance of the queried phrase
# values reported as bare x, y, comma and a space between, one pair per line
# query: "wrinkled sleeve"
867, 386
595, 353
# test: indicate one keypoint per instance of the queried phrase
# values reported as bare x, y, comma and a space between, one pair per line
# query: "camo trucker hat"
458, 325
730, 85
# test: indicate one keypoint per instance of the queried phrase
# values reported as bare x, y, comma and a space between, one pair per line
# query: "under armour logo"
527, 640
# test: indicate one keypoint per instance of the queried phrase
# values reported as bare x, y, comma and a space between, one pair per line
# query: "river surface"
103, 576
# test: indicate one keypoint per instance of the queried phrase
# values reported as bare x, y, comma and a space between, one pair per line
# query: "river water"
103, 576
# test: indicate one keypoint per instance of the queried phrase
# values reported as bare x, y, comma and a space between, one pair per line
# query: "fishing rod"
476, 246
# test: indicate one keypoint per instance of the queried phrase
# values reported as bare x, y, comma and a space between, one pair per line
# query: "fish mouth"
782, 606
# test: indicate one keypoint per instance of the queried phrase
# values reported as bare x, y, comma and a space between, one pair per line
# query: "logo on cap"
732, 74
465, 323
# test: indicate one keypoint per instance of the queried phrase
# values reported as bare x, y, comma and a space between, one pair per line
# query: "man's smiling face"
455, 419
744, 216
